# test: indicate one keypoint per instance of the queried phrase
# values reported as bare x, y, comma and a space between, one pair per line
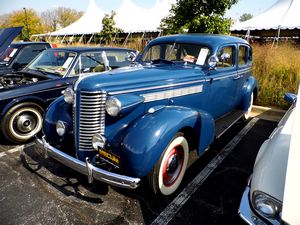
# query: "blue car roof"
212, 40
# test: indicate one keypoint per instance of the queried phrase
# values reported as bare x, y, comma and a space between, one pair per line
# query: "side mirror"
290, 98
131, 56
212, 61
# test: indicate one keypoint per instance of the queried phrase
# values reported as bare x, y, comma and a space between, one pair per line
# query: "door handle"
238, 77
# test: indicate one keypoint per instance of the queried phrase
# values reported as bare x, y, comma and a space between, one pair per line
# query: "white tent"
282, 16
129, 17
133, 18
89, 23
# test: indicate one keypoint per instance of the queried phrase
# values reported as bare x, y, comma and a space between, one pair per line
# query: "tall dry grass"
277, 70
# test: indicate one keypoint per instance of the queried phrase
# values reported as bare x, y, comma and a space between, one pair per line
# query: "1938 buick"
142, 121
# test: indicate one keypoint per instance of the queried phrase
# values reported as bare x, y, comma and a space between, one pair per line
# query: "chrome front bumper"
87, 168
246, 212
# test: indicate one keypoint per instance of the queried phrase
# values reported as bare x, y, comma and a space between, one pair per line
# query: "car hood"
7, 35
269, 171
135, 78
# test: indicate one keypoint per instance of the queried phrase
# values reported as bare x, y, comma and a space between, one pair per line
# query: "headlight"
98, 141
60, 128
266, 205
113, 106
68, 95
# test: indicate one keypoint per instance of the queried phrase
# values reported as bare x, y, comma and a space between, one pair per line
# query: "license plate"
109, 157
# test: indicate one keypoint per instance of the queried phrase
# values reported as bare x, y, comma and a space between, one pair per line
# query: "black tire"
168, 172
22, 122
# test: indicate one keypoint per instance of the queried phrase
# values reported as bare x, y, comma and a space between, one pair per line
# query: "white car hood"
269, 171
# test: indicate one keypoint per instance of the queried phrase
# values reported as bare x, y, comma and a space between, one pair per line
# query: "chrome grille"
91, 118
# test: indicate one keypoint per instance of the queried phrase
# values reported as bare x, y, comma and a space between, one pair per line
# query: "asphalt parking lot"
34, 190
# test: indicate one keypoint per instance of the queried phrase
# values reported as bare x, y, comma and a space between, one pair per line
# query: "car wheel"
246, 116
168, 172
22, 122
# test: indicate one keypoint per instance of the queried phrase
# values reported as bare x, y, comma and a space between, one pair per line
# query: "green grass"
277, 70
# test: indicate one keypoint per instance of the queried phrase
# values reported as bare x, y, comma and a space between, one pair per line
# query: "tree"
108, 27
245, 16
52, 19
27, 18
198, 16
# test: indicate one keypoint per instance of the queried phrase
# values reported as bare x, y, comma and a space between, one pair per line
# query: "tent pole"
89, 41
247, 37
276, 38
62, 40
126, 40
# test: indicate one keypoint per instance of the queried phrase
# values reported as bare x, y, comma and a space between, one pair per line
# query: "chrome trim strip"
155, 96
88, 169
155, 87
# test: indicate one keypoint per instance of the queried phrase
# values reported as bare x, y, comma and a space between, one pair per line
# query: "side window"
29, 53
152, 54
242, 55
226, 57
89, 62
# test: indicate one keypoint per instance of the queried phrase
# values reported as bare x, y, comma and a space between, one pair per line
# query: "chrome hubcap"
25, 123
173, 166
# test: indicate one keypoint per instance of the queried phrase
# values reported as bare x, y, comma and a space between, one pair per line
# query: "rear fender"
249, 87
148, 136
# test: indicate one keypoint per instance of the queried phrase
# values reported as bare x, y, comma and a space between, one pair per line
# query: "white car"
266, 199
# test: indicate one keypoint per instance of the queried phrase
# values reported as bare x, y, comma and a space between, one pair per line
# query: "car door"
244, 69
222, 81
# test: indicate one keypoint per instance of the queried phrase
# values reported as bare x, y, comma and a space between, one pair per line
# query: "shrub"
277, 71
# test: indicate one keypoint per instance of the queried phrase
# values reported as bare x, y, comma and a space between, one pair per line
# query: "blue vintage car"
142, 121
26, 94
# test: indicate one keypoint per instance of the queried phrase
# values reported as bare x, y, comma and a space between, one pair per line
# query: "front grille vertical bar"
91, 118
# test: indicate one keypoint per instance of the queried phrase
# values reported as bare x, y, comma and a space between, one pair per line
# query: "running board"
224, 123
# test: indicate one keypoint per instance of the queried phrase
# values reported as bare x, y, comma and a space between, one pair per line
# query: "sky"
254, 7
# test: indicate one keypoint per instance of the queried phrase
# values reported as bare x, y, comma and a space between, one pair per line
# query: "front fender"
15, 101
249, 87
147, 137
58, 110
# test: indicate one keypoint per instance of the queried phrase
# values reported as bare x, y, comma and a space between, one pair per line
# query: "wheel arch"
30, 99
141, 154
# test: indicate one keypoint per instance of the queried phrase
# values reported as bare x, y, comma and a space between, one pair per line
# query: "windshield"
177, 52
8, 55
56, 62
90, 62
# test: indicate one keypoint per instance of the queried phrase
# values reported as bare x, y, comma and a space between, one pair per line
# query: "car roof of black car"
89, 49
207, 39
27, 43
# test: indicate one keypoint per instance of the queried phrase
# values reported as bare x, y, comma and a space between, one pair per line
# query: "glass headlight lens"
98, 141
69, 95
266, 205
60, 128
113, 106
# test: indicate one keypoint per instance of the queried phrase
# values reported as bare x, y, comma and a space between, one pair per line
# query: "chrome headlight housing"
113, 106
60, 128
266, 206
69, 95
98, 141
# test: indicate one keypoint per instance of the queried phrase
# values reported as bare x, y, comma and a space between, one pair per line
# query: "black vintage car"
15, 56
19, 54
25, 95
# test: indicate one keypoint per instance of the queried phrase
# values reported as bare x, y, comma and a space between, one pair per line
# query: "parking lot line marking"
173, 208
2, 154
